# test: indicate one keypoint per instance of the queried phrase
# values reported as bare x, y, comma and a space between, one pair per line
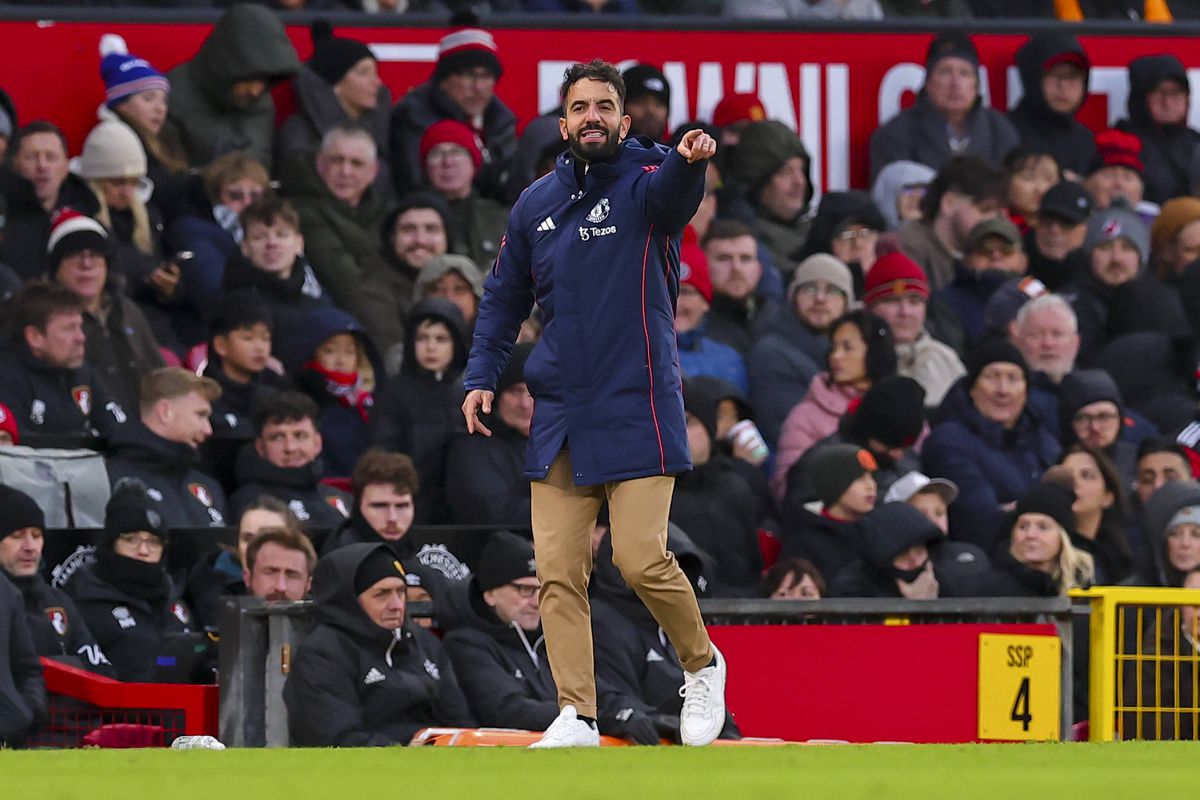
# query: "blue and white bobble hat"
124, 74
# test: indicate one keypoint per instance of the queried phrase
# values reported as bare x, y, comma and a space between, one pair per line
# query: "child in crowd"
341, 376
931, 496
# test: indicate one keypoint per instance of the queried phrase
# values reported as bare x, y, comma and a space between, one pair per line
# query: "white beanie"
112, 150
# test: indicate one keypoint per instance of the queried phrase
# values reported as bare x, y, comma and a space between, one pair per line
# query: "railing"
1143, 663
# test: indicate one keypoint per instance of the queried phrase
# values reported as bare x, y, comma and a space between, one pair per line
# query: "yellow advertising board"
1019, 687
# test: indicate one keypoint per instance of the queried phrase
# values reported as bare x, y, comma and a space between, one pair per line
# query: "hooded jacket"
427, 104
808, 533
341, 241
318, 507
318, 111
890, 183
291, 302
22, 689
718, 510
132, 628
605, 273
247, 43
991, 464
56, 400
504, 669
885, 533
809, 421
421, 411
345, 431
1165, 503
1061, 135
1166, 149
919, 133
181, 494
57, 626
355, 684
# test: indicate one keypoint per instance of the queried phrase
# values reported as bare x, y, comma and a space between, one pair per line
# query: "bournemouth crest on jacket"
201, 493
83, 398
58, 620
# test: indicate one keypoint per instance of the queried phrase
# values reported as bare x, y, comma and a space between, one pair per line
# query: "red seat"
769, 546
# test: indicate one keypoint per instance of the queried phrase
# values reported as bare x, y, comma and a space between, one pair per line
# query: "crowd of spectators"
975, 379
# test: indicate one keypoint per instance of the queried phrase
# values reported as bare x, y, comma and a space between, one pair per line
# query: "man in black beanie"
365, 677
59, 630
126, 597
485, 476
887, 422
647, 101
494, 638
949, 118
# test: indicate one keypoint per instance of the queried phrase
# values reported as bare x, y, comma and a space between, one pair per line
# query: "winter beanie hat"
451, 131
951, 44
9, 423
505, 558
1116, 148
18, 511
332, 55
379, 564
112, 150
124, 74
71, 232
835, 467
1118, 221
823, 267
1002, 307
1082, 388
693, 269
738, 107
128, 510
700, 400
1052, 499
993, 351
466, 48
894, 275
1176, 214
892, 411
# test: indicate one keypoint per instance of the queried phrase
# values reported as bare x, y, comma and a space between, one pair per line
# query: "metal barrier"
1144, 663
819, 654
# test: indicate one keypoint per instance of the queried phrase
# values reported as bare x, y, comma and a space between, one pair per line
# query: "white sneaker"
703, 693
568, 730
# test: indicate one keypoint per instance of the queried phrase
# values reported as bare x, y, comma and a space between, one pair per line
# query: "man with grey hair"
341, 211
1047, 334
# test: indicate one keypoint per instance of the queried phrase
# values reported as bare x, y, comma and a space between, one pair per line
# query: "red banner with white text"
833, 88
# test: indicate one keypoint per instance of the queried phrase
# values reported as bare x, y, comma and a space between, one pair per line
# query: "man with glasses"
1091, 412
462, 88
782, 363
127, 598
993, 255
1159, 100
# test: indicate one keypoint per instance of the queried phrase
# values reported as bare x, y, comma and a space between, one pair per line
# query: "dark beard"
594, 153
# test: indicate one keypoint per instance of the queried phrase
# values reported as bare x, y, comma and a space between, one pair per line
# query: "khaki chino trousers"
564, 518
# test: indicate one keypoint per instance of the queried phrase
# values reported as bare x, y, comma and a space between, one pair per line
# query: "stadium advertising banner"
833, 88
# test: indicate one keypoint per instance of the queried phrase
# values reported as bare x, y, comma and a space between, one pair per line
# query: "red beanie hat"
738, 107
9, 423
1116, 148
893, 275
454, 132
693, 269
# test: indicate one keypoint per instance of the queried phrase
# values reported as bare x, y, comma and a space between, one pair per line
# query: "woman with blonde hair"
1037, 558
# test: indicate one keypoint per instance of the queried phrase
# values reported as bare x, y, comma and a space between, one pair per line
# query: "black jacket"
27, 227
422, 410
354, 684
886, 532
485, 478
718, 510
1067, 139
232, 419
504, 670
54, 400
57, 627
131, 628
218, 574
121, 347
182, 495
831, 545
290, 301
356, 530
1166, 149
317, 506
1054, 273
22, 690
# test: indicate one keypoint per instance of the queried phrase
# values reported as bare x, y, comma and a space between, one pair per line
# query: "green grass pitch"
879, 772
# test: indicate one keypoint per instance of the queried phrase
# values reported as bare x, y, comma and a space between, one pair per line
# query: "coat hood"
889, 530
439, 266
335, 598
1144, 74
836, 210
1164, 504
891, 182
634, 150
247, 42
1041, 52
445, 312
325, 322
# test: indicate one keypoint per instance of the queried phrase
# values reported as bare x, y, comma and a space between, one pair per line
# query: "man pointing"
596, 245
